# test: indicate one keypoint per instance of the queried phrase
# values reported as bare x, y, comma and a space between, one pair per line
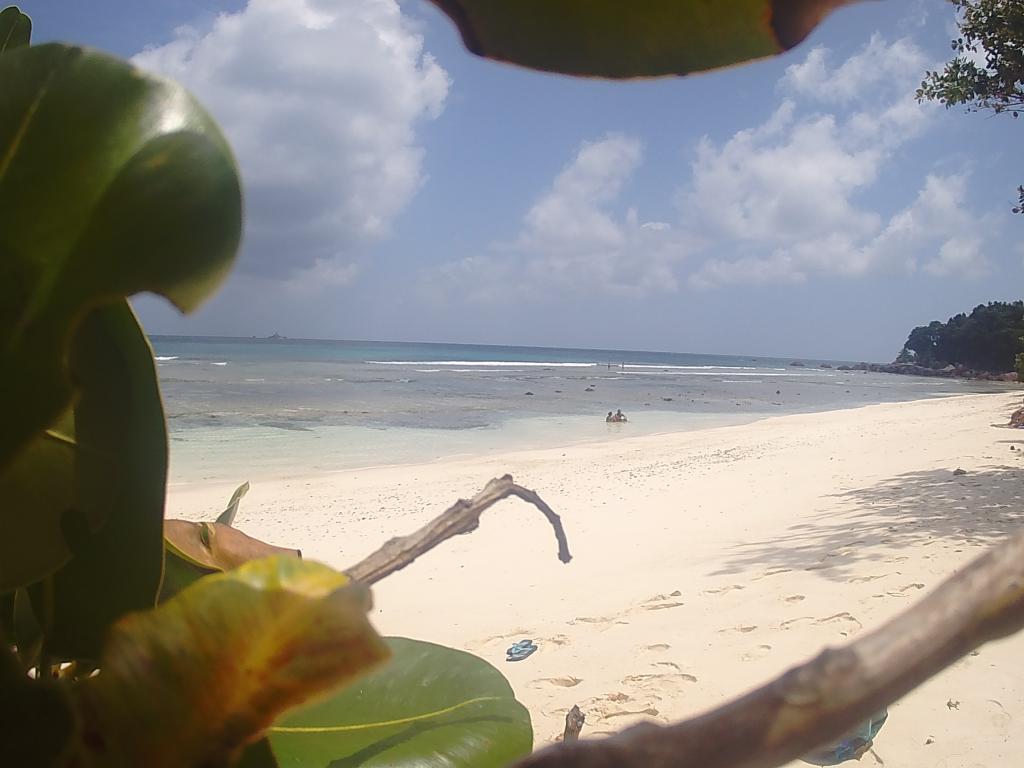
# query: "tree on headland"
988, 339
994, 30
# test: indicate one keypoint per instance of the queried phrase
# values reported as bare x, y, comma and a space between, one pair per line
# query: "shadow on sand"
916, 509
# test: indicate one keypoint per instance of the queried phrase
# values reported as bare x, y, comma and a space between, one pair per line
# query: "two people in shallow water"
616, 417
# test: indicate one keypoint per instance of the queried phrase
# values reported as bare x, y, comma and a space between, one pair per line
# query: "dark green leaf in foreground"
111, 182
120, 478
15, 29
429, 706
616, 39
87, 495
195, 680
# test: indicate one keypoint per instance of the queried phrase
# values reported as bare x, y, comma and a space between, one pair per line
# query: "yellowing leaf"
616, 39
195, 680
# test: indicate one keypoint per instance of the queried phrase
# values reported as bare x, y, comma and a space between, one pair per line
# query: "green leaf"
429, 706
119, 475
15, 29
195, 680
111, 182
37, 722
227, 517
611, 38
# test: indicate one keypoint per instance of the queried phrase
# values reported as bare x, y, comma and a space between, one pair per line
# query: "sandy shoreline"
705, 561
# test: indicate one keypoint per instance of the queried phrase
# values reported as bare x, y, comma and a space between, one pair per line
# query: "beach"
705, 561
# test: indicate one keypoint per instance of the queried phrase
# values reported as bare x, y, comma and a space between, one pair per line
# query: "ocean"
239, 409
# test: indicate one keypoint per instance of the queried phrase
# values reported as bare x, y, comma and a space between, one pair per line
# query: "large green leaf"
429, 706
120, 479
111, 182
195, 680
612, 38
15, 29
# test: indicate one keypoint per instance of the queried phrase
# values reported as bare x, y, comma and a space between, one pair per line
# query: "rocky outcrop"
949, 372
797, 364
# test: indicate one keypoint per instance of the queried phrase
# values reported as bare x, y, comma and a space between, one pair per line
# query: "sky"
399, 188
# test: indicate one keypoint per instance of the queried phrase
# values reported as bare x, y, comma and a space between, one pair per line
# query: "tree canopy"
987, 70
988, 339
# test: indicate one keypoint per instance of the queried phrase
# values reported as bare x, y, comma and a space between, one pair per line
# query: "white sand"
704, 562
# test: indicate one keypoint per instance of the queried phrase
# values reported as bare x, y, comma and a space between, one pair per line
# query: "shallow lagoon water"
239, 409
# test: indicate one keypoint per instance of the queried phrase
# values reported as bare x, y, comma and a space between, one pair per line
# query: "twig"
817, 702
574, 720
462, 517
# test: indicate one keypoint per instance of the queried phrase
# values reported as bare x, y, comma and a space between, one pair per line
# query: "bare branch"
818, 702
462, 517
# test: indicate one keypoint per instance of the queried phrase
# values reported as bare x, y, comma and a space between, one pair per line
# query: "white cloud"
320, 101
573, 238
880, 67
786, 199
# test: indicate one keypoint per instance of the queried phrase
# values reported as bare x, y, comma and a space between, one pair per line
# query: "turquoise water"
281, 406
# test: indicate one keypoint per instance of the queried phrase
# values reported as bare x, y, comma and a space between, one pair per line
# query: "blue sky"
400, 188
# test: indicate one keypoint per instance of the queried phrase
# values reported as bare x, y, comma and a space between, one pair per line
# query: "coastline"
705, 562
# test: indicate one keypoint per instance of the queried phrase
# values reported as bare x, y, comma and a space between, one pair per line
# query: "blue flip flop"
519, 651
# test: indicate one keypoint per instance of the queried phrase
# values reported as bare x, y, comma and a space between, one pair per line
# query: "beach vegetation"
986, 72
988, 339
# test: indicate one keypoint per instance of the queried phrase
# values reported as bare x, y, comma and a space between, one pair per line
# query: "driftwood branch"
462, 517
819, 701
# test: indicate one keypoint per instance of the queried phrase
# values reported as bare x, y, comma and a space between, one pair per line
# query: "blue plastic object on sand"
519, 651
851, 746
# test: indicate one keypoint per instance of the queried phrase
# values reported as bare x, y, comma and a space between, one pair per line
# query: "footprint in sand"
556, 640
661, 606
847, 624
741, 628
507, 635
560, 682
1001, 719
757, 653
657, 647
671, 664
656, 686
723, 590
659, 598
772, 572
795, 598
902, 591
600, 623
864, 579
614, 705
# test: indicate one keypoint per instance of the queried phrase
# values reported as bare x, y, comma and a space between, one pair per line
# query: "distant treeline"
988, 339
